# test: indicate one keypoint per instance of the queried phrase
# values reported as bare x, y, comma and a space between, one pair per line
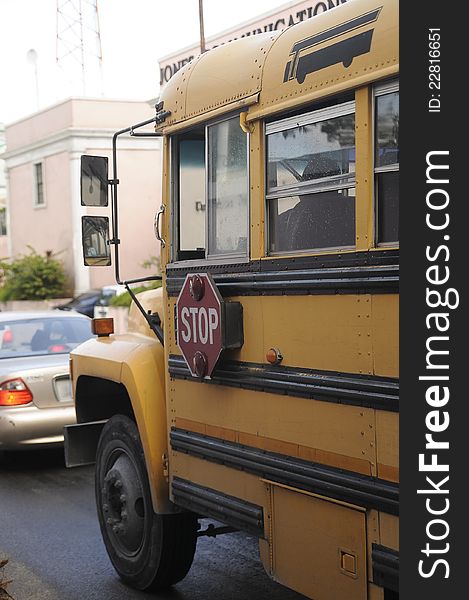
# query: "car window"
40, 336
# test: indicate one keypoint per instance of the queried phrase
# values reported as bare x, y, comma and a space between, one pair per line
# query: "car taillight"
7, 336
57, 348
14, 392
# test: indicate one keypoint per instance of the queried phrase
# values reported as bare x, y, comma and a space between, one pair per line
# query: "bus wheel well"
98, 399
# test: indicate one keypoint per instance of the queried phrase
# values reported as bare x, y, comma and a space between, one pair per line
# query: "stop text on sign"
199, 324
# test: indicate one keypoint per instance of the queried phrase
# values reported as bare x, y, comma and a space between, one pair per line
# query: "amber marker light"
102, 327
14, 392
274, 356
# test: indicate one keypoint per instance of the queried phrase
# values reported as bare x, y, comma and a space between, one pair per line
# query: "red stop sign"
199, 324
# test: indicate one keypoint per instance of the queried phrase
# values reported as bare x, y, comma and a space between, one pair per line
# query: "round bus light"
196, 287
200, 364
274, 356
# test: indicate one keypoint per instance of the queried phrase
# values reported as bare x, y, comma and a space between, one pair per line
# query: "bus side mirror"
94, 181
95, 241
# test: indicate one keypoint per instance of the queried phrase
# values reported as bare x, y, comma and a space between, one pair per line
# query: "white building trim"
75, 140
82, 273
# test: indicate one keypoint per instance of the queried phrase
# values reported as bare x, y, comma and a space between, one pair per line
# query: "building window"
3, 220
311, 180
387, 163
39, 199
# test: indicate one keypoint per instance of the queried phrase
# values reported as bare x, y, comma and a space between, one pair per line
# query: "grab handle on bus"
157, 225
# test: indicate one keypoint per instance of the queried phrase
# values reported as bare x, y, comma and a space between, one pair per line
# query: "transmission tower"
78, 47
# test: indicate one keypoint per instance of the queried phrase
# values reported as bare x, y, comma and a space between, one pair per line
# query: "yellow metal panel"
375, 592
331, 333
385, 310
257, 193
350, 463
359, 465
228, 481
318, 332
380, 62
143, 377
389, 530
215, 81
327, 432
137, 362
231, 72
326, 537
100, 356
387, 441
373, 536
364, 168
265, 554
166, 202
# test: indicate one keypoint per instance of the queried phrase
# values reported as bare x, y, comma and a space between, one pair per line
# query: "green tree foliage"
126, 300
32, 277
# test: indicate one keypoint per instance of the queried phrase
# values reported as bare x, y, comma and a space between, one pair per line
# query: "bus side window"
387, 164
228, 189
211, 192
311, 180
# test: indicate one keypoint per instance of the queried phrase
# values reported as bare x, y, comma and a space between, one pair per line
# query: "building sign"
274, 21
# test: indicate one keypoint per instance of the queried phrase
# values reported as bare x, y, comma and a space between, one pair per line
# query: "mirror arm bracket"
153, 321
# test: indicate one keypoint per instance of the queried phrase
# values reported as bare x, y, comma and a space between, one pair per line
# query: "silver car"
35, 390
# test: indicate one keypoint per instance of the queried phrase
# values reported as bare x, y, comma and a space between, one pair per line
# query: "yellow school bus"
258, 386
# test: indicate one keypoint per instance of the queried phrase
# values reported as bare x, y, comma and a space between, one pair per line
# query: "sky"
134, 34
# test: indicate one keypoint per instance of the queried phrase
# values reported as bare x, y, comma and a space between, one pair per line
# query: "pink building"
4, 251
43, 172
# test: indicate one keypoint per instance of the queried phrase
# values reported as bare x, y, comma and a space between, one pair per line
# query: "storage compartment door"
318, 546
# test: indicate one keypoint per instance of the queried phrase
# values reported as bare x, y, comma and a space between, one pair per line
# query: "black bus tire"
148, 551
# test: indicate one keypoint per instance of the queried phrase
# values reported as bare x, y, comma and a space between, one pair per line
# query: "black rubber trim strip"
362, 490
353, 280
357, 390
385, 567
360, 272
212, 503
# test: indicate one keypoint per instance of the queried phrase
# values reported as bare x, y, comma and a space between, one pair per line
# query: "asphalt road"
50, 534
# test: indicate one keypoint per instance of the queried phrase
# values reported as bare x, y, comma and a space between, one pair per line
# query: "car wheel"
148, 551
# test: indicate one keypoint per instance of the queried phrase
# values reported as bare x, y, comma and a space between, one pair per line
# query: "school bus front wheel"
148, 551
